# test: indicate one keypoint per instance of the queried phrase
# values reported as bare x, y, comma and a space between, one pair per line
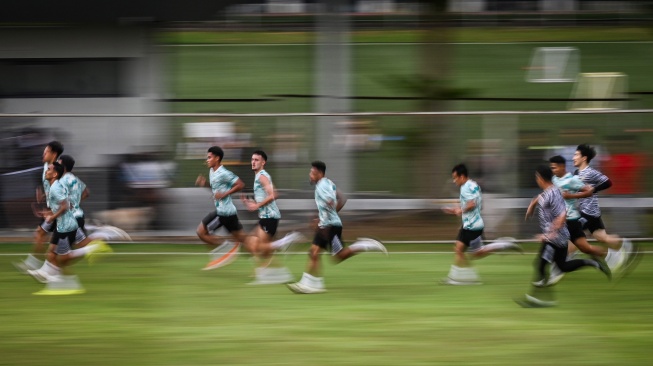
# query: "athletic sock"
51, 269
453, 272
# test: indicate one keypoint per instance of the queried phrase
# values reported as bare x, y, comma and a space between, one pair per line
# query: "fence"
386, 164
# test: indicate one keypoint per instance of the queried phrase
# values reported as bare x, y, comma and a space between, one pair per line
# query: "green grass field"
143, 307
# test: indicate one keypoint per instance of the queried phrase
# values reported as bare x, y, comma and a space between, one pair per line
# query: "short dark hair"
68, 162
56, 147
460, 170
58, 168
217, 151
319, 165
558, 159
544, 172
586, 151
261, 153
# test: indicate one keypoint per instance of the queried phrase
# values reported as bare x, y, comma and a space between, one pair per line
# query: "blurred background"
138, 90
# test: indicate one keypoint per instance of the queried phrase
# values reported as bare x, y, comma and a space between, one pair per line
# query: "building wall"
140, 83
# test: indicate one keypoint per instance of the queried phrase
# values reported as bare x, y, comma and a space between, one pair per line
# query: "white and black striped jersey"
550, 206
592, 177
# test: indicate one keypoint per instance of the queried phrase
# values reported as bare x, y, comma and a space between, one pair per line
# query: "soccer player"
328, 233
470, 236
76, 189
590, 211
552, 214
571, 184
60, 253
223, 184
269, 215
50, 154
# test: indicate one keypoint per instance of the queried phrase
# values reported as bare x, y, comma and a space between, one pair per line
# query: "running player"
328, 233
552, 214
223, 184
571, 184
50, 154
588, 203
470, 236
264, 202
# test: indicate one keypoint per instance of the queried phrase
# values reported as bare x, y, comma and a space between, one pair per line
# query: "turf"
153, 309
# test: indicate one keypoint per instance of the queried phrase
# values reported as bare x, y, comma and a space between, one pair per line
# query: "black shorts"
575, 228
269, 226
64, 241
213, 222
473, 239
591, 223
329, 238
552, 253
81, 222
79, 236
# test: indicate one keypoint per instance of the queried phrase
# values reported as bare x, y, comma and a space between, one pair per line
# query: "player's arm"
85, 193
236, 187
200, 181
471, 204
64, 205
40, 194
588, 190
340, 200
531, 207
271, 195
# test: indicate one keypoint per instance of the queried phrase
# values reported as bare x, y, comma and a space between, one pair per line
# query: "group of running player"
567, 206
62, 218
259, 243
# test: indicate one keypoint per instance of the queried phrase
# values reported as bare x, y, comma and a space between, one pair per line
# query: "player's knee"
201, 230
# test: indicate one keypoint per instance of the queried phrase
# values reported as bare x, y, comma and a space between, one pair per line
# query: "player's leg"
224, 252
49, 270
269, 271
289, 239
265, 231
461, 271
311, 281
40, 239
87, 247
208, 224
560, 258
499, 245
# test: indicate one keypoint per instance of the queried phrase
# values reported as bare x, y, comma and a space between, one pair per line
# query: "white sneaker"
452, 282
555, 276
626, 250
540, 283
374, 245
43, 277
618, 258
300, 288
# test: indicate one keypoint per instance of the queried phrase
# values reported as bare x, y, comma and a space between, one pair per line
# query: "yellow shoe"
51, 292
101, 247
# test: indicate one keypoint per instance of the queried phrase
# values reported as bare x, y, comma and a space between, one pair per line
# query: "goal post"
553, 65
600, 86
